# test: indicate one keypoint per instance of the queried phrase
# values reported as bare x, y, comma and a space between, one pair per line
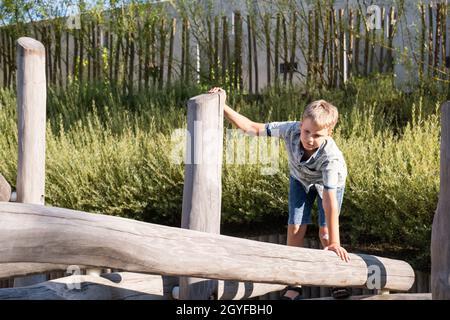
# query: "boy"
317, 168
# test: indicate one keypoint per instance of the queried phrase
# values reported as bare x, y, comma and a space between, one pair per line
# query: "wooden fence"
323, 46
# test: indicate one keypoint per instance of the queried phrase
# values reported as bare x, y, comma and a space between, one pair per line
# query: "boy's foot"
340, 293
292, 293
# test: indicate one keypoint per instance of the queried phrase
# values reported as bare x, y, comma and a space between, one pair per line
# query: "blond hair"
322, 113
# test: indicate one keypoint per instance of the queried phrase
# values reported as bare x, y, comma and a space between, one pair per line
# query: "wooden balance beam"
37, 234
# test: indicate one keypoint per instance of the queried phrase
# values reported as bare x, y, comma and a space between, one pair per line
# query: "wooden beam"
28, 268
109, 286
202, 193
63, 236
396, 296
235, 290
126, 286
5, 189
440, 235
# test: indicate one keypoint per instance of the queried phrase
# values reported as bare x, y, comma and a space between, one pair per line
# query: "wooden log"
30, 268
202, 193
31, 107
63, 236
396, 296
31, 124
440, 237
5, 189
123, 286
109, 286
235, 290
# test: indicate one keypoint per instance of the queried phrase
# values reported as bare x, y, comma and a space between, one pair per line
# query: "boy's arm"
330, 206
243, 123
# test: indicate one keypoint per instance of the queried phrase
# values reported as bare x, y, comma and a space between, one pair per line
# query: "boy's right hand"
217, 89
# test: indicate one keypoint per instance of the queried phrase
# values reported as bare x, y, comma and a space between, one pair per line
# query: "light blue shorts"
300, 203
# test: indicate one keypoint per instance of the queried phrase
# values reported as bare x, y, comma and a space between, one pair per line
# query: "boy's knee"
296, 229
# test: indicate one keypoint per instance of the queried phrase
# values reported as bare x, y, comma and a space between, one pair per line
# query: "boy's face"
311, 136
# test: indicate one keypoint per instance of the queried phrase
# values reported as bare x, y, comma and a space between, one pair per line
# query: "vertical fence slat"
268, 44
249, 55
277, 48
238, 80
171, 44
255, 53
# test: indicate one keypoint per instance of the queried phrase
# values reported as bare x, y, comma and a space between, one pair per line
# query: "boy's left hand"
341, 252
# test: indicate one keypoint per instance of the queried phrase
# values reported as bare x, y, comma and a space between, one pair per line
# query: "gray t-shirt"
326, 168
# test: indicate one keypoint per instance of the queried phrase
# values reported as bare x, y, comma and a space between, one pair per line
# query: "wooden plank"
440, 237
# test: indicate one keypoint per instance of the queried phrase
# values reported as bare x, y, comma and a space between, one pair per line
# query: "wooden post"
31, 110
440, 237
202, 192
5, 189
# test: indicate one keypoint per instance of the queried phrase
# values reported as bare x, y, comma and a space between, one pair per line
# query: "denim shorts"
300, 203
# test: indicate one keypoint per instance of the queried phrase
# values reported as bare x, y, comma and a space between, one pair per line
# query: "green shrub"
111, 154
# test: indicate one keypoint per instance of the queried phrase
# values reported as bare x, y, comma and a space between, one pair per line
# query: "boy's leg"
296, 234
300, 206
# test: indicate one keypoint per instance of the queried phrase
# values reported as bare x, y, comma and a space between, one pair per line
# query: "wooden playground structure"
155, 259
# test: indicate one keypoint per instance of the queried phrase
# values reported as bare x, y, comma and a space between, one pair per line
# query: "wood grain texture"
31, 124
202, 193
5, 189
28, 268
396, 296
31, 110
109, 286
440, 235
62, 236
